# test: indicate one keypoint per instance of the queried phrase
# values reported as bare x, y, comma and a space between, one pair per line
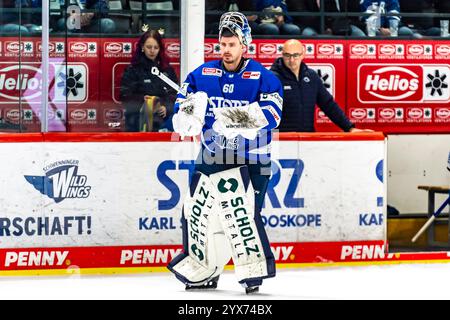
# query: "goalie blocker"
221, 220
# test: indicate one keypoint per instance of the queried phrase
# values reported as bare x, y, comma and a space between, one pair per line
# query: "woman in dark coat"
139, 85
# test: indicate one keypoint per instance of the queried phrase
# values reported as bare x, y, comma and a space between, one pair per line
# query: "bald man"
303, 90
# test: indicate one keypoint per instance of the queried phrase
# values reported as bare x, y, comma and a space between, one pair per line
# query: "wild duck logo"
61, 181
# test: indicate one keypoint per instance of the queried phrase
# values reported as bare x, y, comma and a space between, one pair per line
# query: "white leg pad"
208, 248
237, 214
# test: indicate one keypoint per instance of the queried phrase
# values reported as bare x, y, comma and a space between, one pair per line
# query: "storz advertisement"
88, 194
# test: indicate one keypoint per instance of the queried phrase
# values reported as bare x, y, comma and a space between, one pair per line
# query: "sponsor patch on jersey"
272, 97
251, 75
212, 72
274, 113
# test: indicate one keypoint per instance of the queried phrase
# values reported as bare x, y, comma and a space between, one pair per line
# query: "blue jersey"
389, 6
252, 83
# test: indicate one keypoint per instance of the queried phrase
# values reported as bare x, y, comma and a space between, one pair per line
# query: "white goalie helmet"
237, 23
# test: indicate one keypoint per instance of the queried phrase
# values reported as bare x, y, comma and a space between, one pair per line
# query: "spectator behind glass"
26, 23
441, 6
139, 85
90, 22
274, 18
421, 25
303, 90
342, 26
212, 21
386, 6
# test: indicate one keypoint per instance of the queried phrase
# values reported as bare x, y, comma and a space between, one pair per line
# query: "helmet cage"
238, 25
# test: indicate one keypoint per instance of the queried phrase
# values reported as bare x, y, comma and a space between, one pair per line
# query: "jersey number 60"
228, 88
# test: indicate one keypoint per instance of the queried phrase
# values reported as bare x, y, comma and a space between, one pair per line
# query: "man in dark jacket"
303, 89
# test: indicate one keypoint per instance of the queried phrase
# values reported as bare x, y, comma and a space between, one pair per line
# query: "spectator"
353, 6
90, 22
421, 25
19, 22
247, 5
166, 20
441, 6
303, 89
347, 25
307, 24
139, 85
332, 25
212, 21
274, 18
386, 6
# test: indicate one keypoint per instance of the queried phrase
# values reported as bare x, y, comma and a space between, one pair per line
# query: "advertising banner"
384, 85
84, 81
21, 83
128, 193
399, 86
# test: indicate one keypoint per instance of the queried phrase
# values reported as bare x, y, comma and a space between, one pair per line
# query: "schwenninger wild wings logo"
61, 181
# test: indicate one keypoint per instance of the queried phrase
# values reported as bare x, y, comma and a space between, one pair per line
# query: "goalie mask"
238, 25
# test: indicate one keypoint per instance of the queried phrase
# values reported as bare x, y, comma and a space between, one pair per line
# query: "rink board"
141, 259
102, 201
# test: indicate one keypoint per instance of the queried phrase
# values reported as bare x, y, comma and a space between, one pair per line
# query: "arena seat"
164, 19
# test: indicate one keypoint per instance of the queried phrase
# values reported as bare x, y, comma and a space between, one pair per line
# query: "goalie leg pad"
260, 180
242, 224
206, 249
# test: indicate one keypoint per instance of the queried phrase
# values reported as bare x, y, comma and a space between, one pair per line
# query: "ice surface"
404, 281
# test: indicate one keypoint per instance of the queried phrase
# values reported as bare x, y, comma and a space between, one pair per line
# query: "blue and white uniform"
252, 83
235, 113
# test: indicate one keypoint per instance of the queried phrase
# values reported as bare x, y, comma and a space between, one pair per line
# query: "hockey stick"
431, 219
167, 80
155, 71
